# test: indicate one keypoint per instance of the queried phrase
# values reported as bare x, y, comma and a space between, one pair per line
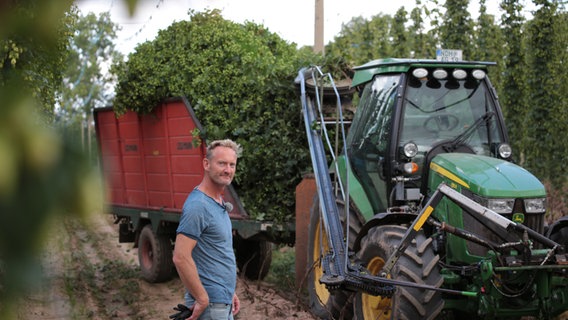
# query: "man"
203, 253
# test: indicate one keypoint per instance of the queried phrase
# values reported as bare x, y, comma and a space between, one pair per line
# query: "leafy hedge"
239, 79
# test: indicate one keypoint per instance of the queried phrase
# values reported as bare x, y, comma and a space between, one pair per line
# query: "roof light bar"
459, 74
420, 73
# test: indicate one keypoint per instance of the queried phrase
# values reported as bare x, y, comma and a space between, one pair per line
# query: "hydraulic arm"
335, 262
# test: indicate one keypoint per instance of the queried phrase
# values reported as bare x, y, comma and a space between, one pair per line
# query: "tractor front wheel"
323, 303
418, 264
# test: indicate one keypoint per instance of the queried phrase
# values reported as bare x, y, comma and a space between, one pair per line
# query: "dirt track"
89, 275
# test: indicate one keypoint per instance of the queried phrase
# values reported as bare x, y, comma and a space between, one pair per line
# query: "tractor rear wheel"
325, 304
418, 264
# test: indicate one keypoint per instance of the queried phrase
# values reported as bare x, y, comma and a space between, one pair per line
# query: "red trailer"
151, 163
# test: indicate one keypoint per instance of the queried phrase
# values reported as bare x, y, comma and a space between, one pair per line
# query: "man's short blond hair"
227, 143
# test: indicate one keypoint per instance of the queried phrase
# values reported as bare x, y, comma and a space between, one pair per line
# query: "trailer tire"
324, 304
155, 255
253, 257
418, 264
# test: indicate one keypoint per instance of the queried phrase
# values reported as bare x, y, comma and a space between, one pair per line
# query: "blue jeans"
217, 311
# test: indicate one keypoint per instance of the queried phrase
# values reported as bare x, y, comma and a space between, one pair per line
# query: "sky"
293, 20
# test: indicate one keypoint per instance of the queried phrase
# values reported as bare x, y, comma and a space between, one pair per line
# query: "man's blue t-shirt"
206, 221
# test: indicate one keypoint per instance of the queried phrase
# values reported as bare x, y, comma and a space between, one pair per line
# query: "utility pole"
318, 30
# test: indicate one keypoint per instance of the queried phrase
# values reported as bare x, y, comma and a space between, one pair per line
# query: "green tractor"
420, 211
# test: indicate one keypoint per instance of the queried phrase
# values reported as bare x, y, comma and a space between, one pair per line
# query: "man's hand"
183, 312
236, 304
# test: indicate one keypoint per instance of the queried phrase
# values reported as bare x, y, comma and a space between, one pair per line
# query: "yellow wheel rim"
320, 245
375, 307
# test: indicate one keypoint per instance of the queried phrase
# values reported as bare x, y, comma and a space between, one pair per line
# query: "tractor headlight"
410, 149
537, 205
504, 205
505, 150
501, 205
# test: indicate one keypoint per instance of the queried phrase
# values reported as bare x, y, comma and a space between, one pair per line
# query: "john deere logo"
518, 217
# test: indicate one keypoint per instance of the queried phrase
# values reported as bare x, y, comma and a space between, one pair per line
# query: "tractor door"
369, 138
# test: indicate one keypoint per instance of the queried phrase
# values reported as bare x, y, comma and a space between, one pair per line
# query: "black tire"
325, 304
561, 237
418, 264
155, 256
559, 233
253, 257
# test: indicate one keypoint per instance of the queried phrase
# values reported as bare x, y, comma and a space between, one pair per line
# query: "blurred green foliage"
42, 176
33, 46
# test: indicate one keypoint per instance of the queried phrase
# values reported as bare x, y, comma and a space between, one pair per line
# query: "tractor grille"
534, 221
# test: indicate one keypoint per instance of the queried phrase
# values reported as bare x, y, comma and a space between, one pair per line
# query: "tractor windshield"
459, 112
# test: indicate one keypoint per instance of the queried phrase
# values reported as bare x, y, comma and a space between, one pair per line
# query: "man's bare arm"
187, 271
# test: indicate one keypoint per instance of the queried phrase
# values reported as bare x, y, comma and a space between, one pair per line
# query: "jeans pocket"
219, 312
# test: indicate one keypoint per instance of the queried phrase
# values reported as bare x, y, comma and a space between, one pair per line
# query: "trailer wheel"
324, 304
155, 256
418, 264
253, 257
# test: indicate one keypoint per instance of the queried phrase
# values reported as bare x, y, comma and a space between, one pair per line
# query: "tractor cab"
412, 110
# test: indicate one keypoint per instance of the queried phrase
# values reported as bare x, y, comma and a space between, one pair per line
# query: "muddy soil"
87, 274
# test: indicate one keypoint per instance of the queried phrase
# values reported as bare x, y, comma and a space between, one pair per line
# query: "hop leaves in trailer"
239, 79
